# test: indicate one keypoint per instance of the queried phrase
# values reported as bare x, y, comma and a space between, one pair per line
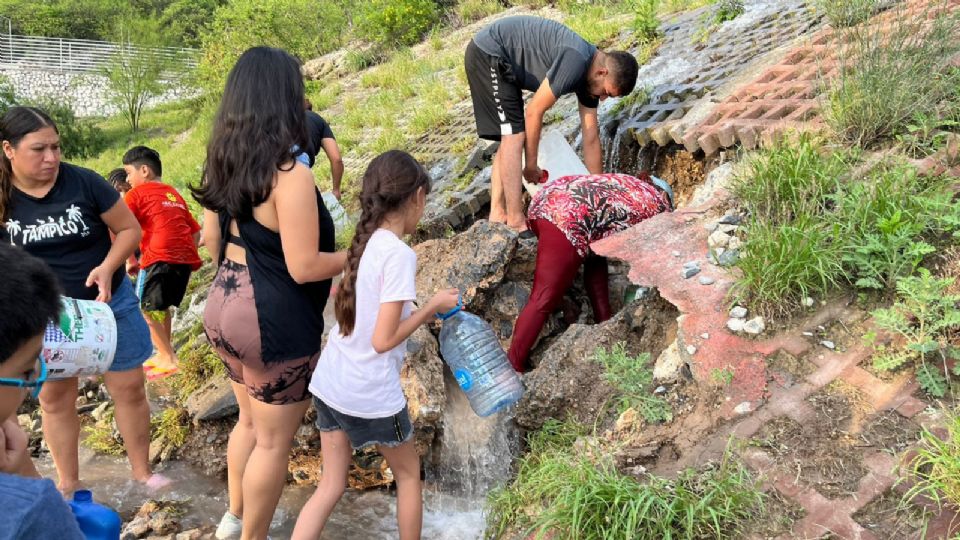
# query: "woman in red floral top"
567, 215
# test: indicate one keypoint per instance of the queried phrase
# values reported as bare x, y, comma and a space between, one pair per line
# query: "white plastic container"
557, 157
337, 211
83, 342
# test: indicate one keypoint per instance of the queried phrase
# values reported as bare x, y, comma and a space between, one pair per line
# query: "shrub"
923, 317
560, 489
304, 28
645, 23
473, 10
186, 20
395, 22
935, 465
632, 377
889, 74
886, 216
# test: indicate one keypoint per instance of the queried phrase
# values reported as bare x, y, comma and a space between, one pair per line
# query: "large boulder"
474, 261
213, 401
422, 382
567, 381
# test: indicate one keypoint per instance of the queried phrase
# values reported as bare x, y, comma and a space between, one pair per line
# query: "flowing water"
474, 457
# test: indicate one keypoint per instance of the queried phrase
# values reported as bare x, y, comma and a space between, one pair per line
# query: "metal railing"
80, 55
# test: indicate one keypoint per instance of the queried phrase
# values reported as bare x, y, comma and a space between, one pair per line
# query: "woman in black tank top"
273, 240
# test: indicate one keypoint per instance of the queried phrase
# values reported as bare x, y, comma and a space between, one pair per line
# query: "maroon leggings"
557, 265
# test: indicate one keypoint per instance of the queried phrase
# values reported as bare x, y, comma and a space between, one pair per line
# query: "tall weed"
936, 465
889, 73
564, 491
632, 377
844, 13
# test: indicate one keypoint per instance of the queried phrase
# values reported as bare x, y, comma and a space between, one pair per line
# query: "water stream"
475, 456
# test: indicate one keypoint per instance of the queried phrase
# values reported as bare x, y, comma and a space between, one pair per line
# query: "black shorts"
163, 286
497, 99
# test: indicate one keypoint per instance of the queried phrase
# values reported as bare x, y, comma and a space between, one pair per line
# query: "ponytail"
391, 179
17, 123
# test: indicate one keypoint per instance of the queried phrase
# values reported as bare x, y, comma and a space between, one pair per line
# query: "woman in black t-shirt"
65, 215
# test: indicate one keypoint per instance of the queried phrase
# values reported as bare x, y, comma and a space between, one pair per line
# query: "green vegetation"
845, 13
632, 377
722, 377
820, 220
924, 319
889, 75
395, 22
170, 426
935, 467
102, 436
575, 493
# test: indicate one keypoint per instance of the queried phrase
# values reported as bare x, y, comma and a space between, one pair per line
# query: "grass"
791, 250
936, 465
845, 13
171, 426
885, 78
100, 438
570, 493
632, 377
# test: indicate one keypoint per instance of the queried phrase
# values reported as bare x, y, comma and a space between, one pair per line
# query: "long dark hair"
260, 119
391, 179
16, 124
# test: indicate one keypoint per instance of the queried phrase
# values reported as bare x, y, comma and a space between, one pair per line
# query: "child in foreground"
356, 384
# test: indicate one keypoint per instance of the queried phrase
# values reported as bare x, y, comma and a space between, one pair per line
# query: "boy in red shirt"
168, 247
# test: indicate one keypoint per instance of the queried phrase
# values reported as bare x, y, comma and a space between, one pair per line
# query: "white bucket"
83, 342
556, 156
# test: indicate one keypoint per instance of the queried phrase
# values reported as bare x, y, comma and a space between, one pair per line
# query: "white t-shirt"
351, 376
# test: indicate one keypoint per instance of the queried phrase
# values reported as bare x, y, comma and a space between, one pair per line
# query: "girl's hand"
13, 445
444, 300
102, 277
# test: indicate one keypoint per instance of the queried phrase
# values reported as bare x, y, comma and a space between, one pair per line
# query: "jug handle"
452, 312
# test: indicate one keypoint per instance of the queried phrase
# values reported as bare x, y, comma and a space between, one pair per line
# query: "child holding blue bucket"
356, 384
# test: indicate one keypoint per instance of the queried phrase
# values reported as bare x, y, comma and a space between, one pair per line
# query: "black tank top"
290, 315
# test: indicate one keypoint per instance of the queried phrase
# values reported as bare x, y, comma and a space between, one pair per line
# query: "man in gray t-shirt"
545, 57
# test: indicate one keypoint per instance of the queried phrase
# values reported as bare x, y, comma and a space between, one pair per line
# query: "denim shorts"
133, 335
390, 431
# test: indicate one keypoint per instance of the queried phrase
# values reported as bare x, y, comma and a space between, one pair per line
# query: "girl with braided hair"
356, 385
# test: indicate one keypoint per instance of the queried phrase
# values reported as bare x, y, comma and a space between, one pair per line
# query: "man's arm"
332, 150
590, 126
542, 100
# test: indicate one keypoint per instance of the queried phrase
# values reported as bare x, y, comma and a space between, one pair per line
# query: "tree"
141, 69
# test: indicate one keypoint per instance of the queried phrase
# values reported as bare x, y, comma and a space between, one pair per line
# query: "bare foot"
157, 481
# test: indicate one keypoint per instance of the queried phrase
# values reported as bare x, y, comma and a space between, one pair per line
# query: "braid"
388, 183
345, 305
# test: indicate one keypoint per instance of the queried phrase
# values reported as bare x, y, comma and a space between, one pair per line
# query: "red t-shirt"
168, 226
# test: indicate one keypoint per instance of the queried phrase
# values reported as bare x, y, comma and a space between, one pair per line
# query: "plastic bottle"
471, 349
97, 522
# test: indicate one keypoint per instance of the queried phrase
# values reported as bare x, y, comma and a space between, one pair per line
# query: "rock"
154, 518
735, 243
660, 390
474, 261
100, 412
705, 335
735, 325
192, 534
807, 301
808, 334
710, 226
718, 179
729, 257
691, 350
828, 344
743, 408
706, 280
422, 380
567, 380
628, 420
689, 271
675, 253
727, 229
730, 219
669, 364
738, 312
754, 326
718, 239
212, 401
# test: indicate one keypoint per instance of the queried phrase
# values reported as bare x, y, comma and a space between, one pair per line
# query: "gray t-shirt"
539, 49
33, 509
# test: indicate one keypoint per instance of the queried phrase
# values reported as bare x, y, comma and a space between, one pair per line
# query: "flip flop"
154, 372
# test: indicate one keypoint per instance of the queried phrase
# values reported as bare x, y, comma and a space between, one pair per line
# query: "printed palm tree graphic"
74, 214
13, 228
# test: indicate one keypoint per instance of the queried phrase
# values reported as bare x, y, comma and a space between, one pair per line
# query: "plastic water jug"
337, 211
82, 342
556, 156
471, 349
97, 522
